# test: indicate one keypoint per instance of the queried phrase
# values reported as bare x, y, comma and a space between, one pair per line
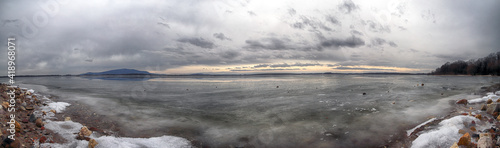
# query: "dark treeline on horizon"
489, 65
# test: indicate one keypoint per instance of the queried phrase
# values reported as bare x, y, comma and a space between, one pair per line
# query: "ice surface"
445, 135
69, 129
58, 106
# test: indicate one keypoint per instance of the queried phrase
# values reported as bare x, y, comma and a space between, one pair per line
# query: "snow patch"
486, 98
445, 135
408, 132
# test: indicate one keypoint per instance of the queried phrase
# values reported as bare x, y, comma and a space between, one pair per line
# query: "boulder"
85, 132
39, 122
92, 143
485, 141
464, 140
9, 143
479, 117
463, 101
492, 108
489, 101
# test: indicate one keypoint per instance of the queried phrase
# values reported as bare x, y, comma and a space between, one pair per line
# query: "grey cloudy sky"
247, 36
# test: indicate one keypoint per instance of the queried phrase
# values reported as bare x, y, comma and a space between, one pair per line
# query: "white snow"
485, 98
31, 91
69, 130
445, 135
59, 107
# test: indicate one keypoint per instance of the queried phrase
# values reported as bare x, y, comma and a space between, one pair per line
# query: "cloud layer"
72, 37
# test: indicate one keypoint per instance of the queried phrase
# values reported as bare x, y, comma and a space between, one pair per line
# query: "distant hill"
489, 65
119, 72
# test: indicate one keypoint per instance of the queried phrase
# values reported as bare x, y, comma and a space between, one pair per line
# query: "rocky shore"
30, 114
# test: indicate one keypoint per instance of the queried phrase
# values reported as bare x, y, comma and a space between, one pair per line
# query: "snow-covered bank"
465, 129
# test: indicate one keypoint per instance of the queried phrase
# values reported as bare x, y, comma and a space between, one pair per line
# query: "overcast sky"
247, 36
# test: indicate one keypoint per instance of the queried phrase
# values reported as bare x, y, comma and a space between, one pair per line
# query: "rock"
498, 118
464, 140
492, 108
32, 117
39, 122
485, 141
483, 107
92, 143
18, 127
54, 111
25, 121
463, 101
9, 143
67, 119
85, 132
364, 93
22, 108
472, 128
489, 101
42, 139
461, 131
29, 107
5, 105
498, 100
44, 113
455, 145
479, 117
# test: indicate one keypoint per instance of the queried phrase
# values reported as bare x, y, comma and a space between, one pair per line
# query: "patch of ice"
69, 129
445, 135
31, 91
485, 98
408, 132
58, 106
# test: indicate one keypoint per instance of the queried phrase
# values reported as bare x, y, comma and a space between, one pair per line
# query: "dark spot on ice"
364, 93
277, 86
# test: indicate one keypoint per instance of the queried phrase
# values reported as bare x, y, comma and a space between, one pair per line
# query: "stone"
455, 145
472, 128
44, 113
464, 140
85, 132
39, 122
483, 107
18, 127
54, 111
5, 105
22, 108
498, 118
479, 117
29, 107
25, 120
42, 139
492, 108
498, 100
32, 117
461, 131
485, 141
489, 101
67, 119
9, 143
92, 143
463, 101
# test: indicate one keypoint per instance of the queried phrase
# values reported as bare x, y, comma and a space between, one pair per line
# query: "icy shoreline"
472, 119
69, 130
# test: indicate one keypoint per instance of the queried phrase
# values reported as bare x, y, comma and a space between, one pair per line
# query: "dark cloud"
200, 42
378, 41
392, 44
280, 65
310, 23
268, 43
355, 32
348, 6
359, 68
261, 66
221, 36
307, 64
230, 54
333, 20
377, 27
351, 42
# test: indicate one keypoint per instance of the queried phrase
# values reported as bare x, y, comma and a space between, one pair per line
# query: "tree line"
489, 65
